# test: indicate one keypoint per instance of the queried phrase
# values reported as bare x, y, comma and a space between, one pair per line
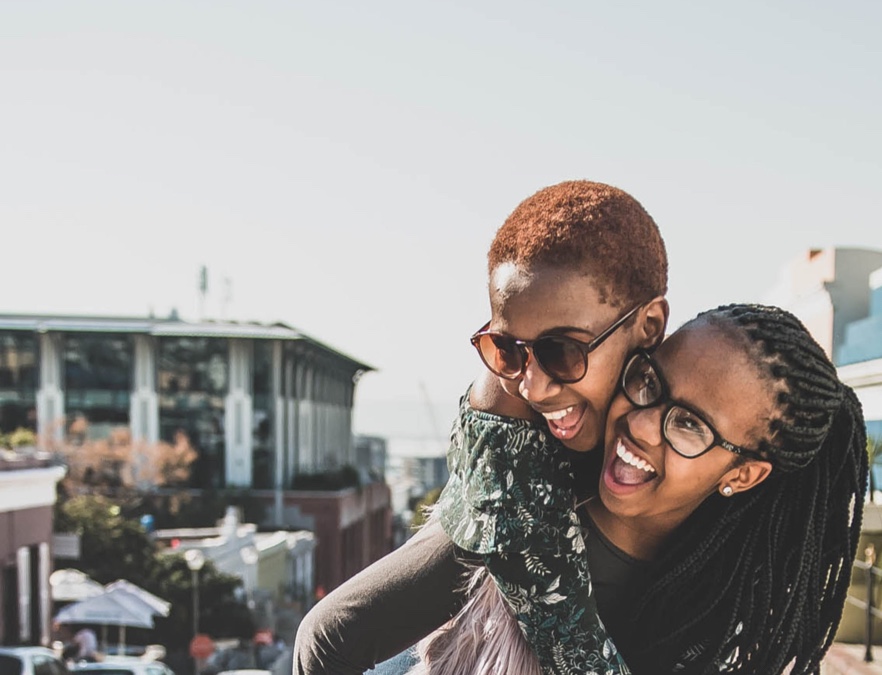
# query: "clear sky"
345, 164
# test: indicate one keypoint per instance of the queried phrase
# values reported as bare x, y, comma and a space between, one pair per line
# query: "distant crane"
430, 411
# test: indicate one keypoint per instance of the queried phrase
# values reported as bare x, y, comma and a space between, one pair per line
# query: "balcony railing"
871, 573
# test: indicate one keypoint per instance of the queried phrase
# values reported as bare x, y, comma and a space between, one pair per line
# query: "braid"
766, 572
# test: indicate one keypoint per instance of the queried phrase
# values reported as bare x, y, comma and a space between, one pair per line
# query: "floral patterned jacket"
510, 499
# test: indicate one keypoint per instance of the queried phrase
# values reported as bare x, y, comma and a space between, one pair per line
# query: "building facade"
263, 406
277, 568
27, 495
837, 293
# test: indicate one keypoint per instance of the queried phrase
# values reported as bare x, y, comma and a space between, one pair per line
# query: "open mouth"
628, 469
566, 422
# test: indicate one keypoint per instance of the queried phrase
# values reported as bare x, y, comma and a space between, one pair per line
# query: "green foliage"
419, 512
20, 438
874, 450
221, 615
115, 546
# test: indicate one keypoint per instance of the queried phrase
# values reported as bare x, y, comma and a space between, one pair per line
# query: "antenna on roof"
203, 290
226, 296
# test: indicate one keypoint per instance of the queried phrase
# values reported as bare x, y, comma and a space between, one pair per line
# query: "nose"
535, 385
645, 424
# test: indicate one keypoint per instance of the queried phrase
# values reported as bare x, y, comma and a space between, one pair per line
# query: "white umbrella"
126, 589
111, 608
71, 584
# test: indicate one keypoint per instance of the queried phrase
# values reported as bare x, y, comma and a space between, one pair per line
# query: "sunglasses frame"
525, 347
668, 402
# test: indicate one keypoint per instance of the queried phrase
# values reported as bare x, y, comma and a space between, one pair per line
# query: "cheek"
618, 408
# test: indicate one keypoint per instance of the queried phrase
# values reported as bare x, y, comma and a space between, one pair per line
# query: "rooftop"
171, 326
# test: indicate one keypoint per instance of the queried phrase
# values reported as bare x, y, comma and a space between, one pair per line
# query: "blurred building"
27, 495
277, 568
371, 455
837, 293
266, 408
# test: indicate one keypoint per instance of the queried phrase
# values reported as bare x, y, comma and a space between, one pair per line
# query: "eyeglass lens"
687, 433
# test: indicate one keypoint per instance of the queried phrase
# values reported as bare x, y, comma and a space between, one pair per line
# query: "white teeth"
628, 457
558, 414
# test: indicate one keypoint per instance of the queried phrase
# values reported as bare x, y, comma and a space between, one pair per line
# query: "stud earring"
727, 490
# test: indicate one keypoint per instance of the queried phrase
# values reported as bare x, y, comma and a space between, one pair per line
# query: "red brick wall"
28, 527
353, 528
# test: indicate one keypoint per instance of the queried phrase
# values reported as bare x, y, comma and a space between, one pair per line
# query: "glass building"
259, 403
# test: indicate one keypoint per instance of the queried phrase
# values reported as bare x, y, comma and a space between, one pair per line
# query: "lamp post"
250, 556
195, 560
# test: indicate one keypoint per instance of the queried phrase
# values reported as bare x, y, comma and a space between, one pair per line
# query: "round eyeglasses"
685, 430
562, 358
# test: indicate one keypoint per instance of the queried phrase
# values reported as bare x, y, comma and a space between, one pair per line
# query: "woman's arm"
510, 498
384, 609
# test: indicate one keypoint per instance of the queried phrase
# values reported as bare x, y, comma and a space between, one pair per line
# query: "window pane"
262, 423
98, 380
19, 372
193, 374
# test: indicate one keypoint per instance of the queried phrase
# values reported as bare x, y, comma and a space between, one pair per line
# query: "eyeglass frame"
665, 399
526, 347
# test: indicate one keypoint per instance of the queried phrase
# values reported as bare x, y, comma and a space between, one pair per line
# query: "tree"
115, 546
119, 463
419, 512
874, 450
112, 545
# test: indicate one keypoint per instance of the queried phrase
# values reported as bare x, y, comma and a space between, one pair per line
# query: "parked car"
121, 665
30, 661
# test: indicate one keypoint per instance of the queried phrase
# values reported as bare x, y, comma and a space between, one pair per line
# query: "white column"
306, 420
45, 594
278, 404
238, 409
23, 556
291, 418
144, 408
50, 397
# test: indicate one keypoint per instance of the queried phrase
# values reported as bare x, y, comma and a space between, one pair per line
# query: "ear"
652, 320
744, 477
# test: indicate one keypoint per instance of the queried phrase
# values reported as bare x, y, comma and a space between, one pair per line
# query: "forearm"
510, 498
384, 609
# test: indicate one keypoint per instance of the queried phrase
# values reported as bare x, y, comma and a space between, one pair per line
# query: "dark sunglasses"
687, 432
562, 358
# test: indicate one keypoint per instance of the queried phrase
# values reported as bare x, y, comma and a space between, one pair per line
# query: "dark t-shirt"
617, 578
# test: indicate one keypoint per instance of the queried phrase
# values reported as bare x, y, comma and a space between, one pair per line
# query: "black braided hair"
766, 572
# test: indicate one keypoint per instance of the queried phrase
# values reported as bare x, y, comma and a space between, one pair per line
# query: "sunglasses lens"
561, 358
502, 355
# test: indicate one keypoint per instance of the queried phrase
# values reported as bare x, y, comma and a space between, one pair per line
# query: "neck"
641, 538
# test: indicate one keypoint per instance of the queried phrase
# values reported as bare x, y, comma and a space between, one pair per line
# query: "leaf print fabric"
510, 499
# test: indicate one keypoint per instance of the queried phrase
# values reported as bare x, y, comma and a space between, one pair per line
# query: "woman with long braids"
730, 495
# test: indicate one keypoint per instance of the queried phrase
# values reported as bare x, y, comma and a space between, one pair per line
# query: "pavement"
848, 659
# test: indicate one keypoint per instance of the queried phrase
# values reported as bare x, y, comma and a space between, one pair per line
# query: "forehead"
706, 368
551, 296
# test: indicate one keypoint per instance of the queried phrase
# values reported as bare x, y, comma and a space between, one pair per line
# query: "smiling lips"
564, 423
628, 469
